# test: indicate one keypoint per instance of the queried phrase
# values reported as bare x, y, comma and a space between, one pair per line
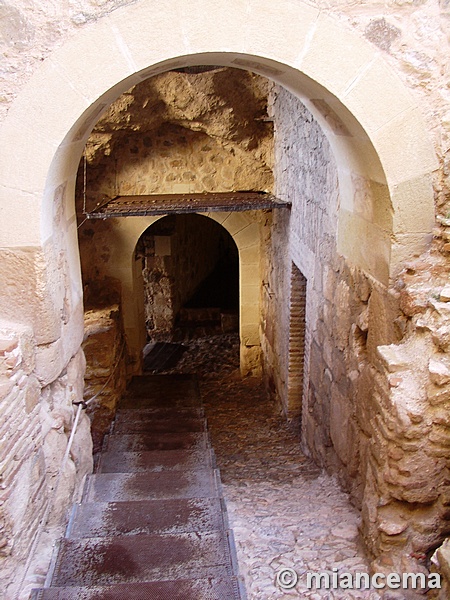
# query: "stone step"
214, 588
157, 460
181, 515
134, 558
152, 522
132, 487
163, 391
162, 356
131, 414
150, 425
156, 441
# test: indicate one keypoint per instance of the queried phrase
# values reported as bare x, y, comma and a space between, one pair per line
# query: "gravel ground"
285, 512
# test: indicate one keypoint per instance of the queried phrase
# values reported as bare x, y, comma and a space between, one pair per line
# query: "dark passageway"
190, 278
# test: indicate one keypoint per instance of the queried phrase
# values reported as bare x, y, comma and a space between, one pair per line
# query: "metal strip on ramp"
213, 588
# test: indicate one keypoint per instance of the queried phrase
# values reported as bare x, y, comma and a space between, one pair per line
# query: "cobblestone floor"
285, 512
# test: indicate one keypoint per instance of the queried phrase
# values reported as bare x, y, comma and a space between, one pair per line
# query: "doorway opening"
190, 281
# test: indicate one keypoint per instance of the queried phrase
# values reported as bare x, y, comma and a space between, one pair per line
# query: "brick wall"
297, 337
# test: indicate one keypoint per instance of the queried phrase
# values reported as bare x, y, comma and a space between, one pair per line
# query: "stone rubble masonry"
105, 378
377, 374
36, 421
181, 133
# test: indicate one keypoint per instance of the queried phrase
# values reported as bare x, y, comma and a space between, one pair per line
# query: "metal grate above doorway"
163, 204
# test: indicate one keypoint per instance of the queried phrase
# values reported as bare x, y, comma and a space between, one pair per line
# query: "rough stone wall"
305, 174
36, 422
45, 370
408, 459
375, 400
105, 378
181, 132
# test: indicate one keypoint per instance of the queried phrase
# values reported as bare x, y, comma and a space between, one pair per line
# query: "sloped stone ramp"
152, 522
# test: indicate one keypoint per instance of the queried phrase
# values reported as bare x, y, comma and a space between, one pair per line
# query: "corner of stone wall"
251, 361
36, 424
440, 563
105, 350
407, 493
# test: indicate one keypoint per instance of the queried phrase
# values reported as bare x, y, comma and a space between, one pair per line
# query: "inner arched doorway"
190, 267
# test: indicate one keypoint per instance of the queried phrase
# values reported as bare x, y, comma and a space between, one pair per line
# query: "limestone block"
250, 313
249, 333
376, 109
18, 210
441, 337
249, 275
356, 156
199, 25
32, 290
410, 215
407, 131
335, 56
250, 294
50, 116
104, 62
365, 245
340, 415
50, 361
286, 29
406, 246
250, 358
159, 44
439, 370
248, 236
393, 358
25, 184
250, 255
237, 221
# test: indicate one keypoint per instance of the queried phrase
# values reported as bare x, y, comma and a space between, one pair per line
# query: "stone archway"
64, 98
246, 234
379, 142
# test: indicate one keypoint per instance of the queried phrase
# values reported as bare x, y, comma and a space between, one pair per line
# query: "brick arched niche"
244, 230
